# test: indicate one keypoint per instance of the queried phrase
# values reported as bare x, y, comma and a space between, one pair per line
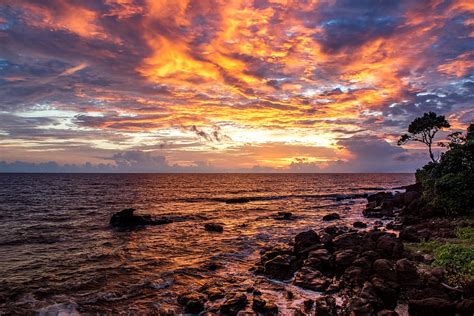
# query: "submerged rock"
359, 225
126, 219
193, 302
284, 216
331, 217
234, 303
237, 200
213, 227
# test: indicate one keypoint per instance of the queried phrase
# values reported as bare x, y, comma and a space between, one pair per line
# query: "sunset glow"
261, 85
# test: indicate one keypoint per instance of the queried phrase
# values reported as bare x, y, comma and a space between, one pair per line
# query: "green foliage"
466, 233
448, 186
457, 259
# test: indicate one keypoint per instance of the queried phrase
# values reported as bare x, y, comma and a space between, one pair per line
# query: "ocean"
59, 254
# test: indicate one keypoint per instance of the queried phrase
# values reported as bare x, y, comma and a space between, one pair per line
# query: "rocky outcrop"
213, 227
127, 219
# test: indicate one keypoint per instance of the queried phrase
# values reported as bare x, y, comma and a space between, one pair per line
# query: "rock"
126, 219
325, 306
407, 274
416, 187
234, 303
465, 307
386, 290
193, 302
307, 305
409, 234
319, 259
284, 216
431, 306
354, 276
306, 239
280, 267
384, 268
379, 197
331, 217
343, 258
263, 307
310, 279
350, 240
389, 246
359, 307
214, 293
359, 225
213, 227
237, 200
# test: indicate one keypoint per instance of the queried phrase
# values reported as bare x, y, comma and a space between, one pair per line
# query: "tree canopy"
423, 129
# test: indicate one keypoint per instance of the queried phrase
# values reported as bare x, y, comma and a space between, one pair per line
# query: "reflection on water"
59, 254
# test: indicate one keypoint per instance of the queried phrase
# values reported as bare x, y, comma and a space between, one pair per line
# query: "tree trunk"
431, 153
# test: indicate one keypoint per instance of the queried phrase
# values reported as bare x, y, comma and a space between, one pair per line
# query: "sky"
228, 86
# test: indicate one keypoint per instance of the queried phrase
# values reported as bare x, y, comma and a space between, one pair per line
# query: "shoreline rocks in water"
127, 219
213, 227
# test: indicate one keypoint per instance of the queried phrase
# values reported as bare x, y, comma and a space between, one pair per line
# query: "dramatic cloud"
237, 85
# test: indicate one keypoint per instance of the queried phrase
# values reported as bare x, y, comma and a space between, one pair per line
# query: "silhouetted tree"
423, 129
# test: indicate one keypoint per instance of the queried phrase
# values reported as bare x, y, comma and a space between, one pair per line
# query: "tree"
423, 129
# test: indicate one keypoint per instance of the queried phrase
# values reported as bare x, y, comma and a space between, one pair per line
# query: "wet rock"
306, 239
431, 306
325, 306
213, 227
319, 259
280, 267
409, 234
416, 187
310, 279
308, 305
350, 240
379, 197
284, 216
234, 303
407, 274
385, 269
237, 200
359, 225
193, 303
331, 217
465, 307
127, 219
262, 306
214, 293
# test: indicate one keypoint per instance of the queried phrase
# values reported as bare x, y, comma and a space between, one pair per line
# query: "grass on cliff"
455, 255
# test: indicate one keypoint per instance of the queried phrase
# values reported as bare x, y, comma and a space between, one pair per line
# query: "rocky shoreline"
358, 271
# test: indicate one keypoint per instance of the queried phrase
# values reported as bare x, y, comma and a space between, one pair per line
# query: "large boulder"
310, 279
331, 217
127, 219
193, 303
280, 267
389, 246
409, 234
305, 240
213, 227
234, 303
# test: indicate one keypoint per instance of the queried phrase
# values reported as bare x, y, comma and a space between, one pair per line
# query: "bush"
448, 185
457, 259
